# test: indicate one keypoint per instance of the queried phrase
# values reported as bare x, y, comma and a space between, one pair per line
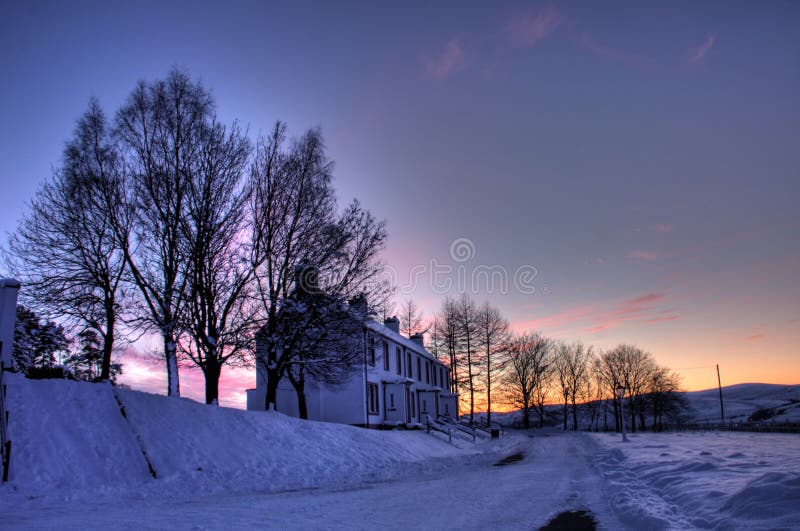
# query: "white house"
398, 383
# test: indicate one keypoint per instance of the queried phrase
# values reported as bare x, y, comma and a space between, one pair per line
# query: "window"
435, 372
427, 372
399, 356
419, 366
391, 402
385, 356
373, 405
371, 350
442, 383
408, 364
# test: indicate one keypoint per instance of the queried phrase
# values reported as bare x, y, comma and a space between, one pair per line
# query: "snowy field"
79, 463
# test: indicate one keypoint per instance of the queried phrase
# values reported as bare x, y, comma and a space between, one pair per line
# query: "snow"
704, 480
77, 462
70, 440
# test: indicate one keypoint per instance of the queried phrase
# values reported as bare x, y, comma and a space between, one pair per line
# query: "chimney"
393, 324
359, 305
419, 339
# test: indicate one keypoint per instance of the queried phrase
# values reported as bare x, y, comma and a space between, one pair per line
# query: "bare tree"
220, 314
446, 341
411, 319
525, 378
629, 367
295, 222
65, 250
467, 322
161, 129
492, 331
572, 363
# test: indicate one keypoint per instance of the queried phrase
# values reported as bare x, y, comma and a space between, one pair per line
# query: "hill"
72, 439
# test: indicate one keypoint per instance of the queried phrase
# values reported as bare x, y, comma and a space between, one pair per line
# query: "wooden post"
721, 408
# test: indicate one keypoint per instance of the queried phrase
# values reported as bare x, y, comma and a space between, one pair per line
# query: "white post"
8, 317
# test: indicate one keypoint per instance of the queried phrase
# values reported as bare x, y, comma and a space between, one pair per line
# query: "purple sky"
643, 159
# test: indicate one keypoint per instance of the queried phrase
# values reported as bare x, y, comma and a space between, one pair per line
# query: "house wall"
395, 402
418, 373
448, 405
427, 401
8, 316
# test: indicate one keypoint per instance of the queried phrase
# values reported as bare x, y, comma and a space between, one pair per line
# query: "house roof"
388, 333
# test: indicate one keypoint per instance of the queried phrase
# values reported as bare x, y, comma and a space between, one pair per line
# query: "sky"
605, 172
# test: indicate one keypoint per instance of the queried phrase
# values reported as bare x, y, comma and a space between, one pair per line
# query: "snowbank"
71, 440
725, 480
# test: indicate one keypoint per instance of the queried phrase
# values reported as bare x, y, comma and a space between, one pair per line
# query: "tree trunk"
574, 416
273, 377
566, 414
173, 383
108, 347
211, 371
633, 415
488, 388
299, 385
526, 414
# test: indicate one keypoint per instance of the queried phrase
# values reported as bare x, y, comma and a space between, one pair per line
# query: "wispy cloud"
699, 53
642, 309
530, 28
755, 337
589, 42
449, 60
663, 228
638, 254
645, 309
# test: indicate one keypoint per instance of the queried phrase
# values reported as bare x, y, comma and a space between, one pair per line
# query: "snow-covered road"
556, 474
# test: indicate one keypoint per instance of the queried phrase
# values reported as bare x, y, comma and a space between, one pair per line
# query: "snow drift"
71, 439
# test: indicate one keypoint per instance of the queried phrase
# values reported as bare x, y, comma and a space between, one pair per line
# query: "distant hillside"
742, 402
773, 402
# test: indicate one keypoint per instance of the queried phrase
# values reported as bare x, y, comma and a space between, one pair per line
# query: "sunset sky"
638, 165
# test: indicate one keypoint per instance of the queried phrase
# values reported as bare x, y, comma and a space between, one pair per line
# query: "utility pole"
721, 408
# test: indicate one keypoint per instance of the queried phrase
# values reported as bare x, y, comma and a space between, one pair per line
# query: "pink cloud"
638, 254
664, 228
587, 41
699, 53
529, 29
450, 60
665, 318
755, 337
643, 309
557, 320
645, 299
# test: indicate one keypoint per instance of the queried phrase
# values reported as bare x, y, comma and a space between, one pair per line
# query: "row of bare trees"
491, 365
586, 382
472, 340
162, 220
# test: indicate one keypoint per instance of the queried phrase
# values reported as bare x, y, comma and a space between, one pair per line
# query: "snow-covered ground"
718, 480
79, 463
